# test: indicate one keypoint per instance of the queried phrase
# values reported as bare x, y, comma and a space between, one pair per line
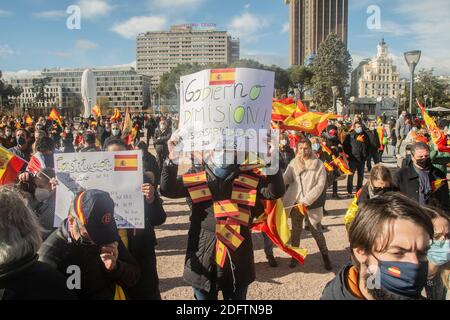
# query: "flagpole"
27, 162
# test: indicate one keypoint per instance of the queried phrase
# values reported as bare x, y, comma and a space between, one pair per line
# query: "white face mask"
42, 194
115, 132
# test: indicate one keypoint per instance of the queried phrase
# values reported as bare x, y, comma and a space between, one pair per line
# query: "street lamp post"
431, 99
177, 87
335, 90
412, 59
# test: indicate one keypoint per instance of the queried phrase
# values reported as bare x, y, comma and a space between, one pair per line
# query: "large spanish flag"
10, 166
283, 109
125, 162
275, 226
438, 137
309, 122
222, 76
54, 115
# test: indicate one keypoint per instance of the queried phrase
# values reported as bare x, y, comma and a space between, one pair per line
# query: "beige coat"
306, 182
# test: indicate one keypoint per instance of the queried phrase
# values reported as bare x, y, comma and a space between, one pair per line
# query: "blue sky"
33, 33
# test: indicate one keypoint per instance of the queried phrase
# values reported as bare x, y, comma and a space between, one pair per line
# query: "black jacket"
286, 156
29, 279
105, 135
357, 151
374, 141
407, 181
96, 282
336, 289
160, 140
200, 270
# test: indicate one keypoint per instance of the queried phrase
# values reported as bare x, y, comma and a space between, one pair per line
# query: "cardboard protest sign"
231, 105
118, 173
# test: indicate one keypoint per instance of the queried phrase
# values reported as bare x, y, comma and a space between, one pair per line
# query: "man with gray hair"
22, 276
421, 181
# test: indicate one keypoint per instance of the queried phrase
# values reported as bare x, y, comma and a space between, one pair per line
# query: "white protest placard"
232, 105
118, 173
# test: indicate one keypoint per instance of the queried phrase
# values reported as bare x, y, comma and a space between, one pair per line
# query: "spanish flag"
395, 272
244, 196
221, 253
116, 115
283, 109
342, 166
192, 179
200, 193
301, 106
309, 122
54, 115
229, 235
28, 120
247, 181
438, 137
275, 226
436, 184
222, 76
10, 166
96, 111
328, 167
360, 138
124, 162
243, 218
226, 208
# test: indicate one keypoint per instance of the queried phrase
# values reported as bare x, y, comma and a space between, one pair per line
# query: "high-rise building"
377, 77
122, 87
311, 21
158, 52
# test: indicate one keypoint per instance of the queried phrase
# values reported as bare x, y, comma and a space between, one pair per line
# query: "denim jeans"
239, 294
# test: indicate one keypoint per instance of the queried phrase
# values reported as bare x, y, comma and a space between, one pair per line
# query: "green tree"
7, 93
39, 86
103, 103
331, 67
301, 78
427, 84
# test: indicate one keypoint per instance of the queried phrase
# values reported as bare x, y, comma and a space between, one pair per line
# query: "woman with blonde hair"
306, 180
380, 182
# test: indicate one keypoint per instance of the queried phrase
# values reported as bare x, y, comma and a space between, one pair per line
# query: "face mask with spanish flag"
403, 278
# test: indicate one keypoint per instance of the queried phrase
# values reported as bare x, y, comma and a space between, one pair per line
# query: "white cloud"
247, 6
52, 14
285, 28
92, 9
130, 28
5, 50
4, 13
85, 45
248, 27
175, 3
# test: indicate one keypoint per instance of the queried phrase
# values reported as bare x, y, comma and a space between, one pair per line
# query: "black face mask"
21, 141
424, 163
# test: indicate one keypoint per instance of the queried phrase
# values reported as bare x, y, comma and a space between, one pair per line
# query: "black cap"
95, 208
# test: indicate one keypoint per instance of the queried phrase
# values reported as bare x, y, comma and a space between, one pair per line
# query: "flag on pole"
54, 115
116, 115
96, 111
10, 166
309, 122
36, 163
437, 136
28, 120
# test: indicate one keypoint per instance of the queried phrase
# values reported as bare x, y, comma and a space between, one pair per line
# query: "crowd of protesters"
409, 206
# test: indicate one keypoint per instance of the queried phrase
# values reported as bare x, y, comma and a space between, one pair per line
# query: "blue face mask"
439, 252
316, 147
403, 278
